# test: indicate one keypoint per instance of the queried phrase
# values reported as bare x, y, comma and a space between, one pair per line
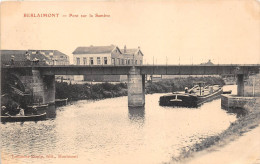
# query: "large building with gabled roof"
106, 55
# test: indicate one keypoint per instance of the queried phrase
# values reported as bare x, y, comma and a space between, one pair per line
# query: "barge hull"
187, 100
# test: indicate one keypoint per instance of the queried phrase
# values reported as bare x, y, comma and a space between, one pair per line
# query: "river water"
107, 131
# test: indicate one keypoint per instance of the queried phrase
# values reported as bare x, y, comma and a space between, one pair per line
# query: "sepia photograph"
130, 82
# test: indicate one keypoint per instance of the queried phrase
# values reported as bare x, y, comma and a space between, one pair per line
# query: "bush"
88, 91
108, 90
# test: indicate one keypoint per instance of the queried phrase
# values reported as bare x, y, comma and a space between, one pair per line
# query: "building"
106, 55
49, 57
55, 57
19, 56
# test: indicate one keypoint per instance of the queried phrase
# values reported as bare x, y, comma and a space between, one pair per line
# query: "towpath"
243, 150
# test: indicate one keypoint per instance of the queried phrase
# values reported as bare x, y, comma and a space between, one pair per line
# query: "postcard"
162, 81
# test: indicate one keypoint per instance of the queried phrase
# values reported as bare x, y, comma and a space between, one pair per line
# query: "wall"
88, 56
115, 54
137, 56
233, 101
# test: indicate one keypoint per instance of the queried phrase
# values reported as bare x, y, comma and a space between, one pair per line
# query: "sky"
176, 32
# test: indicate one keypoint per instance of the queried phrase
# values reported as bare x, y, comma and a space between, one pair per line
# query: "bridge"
40, 79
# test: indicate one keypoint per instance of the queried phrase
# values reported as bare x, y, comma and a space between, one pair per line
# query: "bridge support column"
43, 88
136, 88
240, 85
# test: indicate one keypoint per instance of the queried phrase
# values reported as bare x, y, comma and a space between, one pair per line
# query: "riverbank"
244, 150
222, 149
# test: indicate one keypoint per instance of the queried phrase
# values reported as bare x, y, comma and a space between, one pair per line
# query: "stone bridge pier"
43, 88
136, 88
240, 84
40, 88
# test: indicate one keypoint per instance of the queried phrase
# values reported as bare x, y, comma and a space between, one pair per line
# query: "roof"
19, 55
55, 52
94, 49
131, 51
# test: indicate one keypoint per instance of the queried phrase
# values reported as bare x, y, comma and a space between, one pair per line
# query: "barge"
193, 97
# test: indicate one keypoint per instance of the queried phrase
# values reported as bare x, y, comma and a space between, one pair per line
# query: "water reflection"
107, 131
136, 114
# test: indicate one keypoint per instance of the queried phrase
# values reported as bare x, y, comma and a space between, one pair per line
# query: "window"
34, 52
98, 60
122, 62
105, 60
78, 61
91, 61
84, 60
118, 61
126, 62
136, 62
113, 61
141, 62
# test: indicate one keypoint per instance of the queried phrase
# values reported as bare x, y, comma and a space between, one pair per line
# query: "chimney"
125, 49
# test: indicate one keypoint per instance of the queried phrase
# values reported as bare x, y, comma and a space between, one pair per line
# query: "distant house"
209, 63
106, 55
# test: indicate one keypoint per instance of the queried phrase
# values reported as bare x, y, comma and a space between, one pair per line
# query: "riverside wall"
251, 94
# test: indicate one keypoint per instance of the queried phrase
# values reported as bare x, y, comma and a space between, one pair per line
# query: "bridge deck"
144, 69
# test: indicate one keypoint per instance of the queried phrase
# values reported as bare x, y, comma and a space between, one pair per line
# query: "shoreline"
244, 125
243, 149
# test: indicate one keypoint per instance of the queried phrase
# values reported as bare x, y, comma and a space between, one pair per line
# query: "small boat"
23, 118
38, 107
61, 102
227, 92
193, 97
